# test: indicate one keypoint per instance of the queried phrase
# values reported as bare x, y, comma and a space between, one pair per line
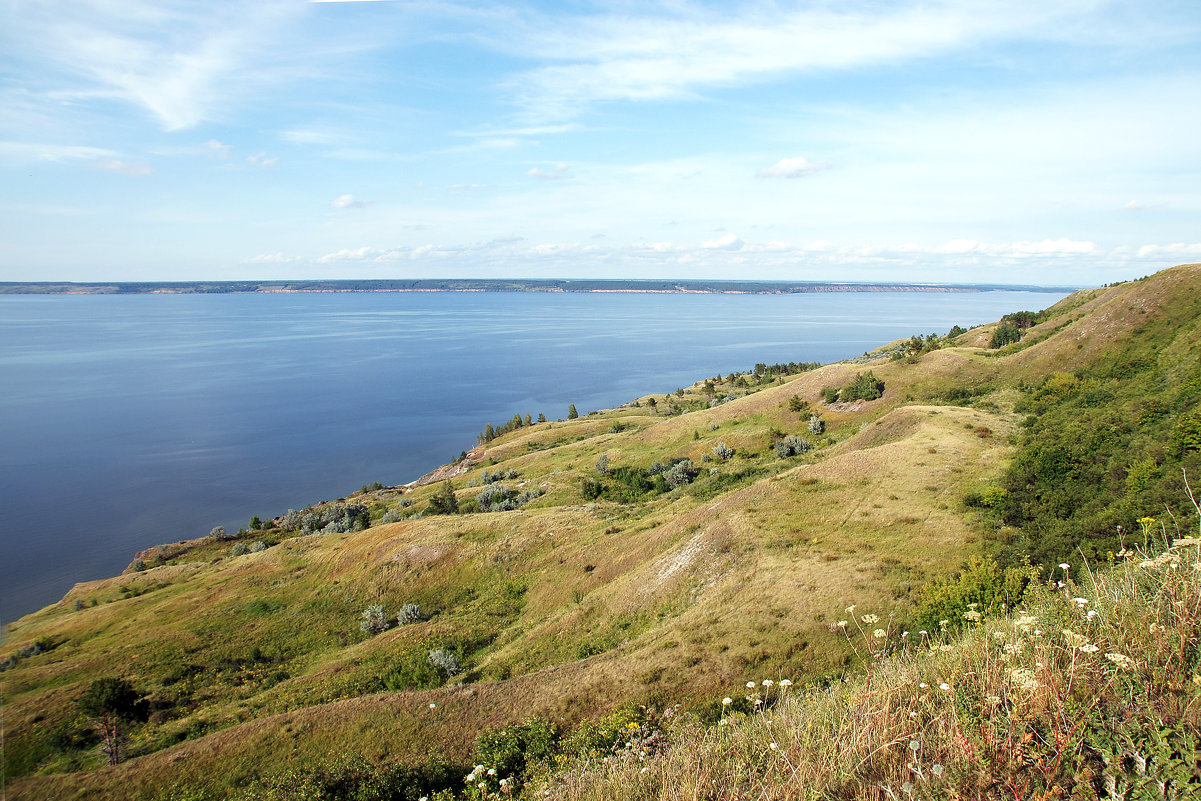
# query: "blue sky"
972, 141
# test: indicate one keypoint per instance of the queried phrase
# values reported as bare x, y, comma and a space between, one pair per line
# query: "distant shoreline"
494, 285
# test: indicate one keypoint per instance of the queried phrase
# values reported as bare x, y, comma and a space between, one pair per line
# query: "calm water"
128, 421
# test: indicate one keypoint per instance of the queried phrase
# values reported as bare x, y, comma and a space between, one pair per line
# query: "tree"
572, 414
218, 533
110, 703
444, 501
255, 523
541, 417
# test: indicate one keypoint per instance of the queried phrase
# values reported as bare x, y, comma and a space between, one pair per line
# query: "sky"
975, 141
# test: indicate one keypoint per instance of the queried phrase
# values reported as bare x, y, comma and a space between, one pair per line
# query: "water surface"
128, 421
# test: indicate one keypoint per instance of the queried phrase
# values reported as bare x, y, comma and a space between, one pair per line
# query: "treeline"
491, 432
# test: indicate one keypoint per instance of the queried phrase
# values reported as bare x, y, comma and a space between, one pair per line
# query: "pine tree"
572, 414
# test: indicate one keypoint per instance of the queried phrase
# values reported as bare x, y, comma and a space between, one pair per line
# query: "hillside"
589, 570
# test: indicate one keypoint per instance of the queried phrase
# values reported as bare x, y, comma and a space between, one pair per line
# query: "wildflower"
972, 616
1073, 639
842, 624
723, 722
1013, 648
1089, 648
946, 688
1081, 601
1121, 660
904, 635
433, 706
750, 685
992, 700
923, 632
1156, 628
491, 771
1024, 678
644, 770
870, 619
470, 778
727, 701
850, 610
972, 606
946, 648
1092, 613
924, 686
482, 786
942, 624
1064, 566
936, 769
915, 746
774, 747
786, 683
907, 788
1000, 636
879, 634
767, 683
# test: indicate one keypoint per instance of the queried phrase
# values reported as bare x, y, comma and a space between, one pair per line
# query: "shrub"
680, 473
409, 613
797, 404
723, 451
817, 426
443, 501
239, 549
830, 394
602, 464
792, 445
218, 533
374, 620
512, 749
864, 386
258, 547
446, 661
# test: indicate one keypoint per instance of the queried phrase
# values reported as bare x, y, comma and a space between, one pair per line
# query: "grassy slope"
563, 608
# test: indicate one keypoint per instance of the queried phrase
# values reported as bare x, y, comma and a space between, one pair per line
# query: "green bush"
864, 386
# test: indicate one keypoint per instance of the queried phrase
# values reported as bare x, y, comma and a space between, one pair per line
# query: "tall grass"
1091, 690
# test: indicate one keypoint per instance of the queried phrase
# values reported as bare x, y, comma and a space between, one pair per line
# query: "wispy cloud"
556, 173
28, 152
796, 167
182, 63
136, 168
262, 160
640, 57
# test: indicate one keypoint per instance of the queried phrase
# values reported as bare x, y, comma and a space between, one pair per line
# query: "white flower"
767, 682
850, 609
470, 778
482, 786
723, 722
842, 624
775, 747
786, 683
1064, 566
923, 685
1121, 660
433, 706
936, 769
869, 619
915, 746
1089, 648
750, 685
491, 771
1080, 601
1092, 613
878, 634
946, 688
727, 701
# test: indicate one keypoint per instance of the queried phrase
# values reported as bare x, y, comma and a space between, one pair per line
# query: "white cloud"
727, 242
271, 258
182, 63
1174, 250
556, 173
625, 56
138, 168
348, 202
262, 160
216, 149
797, 167
30, 152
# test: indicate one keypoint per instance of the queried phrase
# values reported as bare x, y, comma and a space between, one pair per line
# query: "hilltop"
563, 575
